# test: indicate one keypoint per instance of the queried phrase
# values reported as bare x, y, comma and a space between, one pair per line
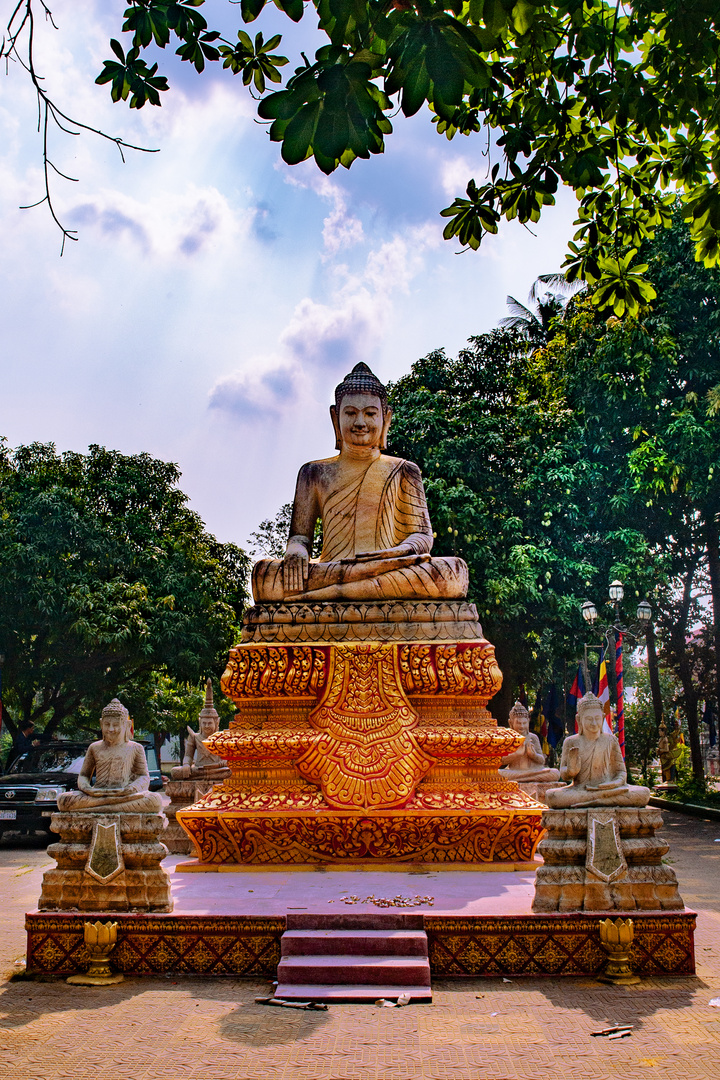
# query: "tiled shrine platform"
480, 924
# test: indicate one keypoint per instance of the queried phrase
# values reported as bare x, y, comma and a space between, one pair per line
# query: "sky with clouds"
216, 295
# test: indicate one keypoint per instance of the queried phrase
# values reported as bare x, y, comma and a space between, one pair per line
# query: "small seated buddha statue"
528, 761
120, 770
376, 529
593, 764
198, 762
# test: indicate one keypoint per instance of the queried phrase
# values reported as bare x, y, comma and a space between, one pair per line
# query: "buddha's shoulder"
407, 467
313, 470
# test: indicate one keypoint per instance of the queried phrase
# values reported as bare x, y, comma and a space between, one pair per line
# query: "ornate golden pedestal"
363, 752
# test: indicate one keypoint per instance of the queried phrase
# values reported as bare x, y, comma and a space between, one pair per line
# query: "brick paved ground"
172, 1027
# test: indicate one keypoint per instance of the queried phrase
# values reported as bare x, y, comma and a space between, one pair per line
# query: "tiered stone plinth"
182, 793
604, 859
538, 789
364, 751
107, 862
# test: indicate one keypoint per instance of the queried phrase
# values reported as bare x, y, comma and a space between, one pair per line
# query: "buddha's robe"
528, 763
121, 767
366, 505
601, 762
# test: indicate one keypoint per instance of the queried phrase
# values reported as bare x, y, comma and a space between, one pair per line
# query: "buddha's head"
360, 415
209, 720
115, 723
590, 717
519, 718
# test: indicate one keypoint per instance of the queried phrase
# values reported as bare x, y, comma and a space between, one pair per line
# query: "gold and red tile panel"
474, 947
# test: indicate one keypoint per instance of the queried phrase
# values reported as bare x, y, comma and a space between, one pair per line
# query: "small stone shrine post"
197, 775
601, 852
109, 854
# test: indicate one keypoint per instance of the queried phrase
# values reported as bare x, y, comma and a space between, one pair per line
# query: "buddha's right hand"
295, 568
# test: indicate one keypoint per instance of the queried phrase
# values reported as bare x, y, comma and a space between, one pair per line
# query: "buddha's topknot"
361, 381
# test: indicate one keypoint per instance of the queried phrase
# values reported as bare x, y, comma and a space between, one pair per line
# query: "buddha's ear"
336, 425
385, 428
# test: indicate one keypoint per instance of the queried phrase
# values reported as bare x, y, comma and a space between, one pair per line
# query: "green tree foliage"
621, 103
110, 584
645, 389
513, 490
641, 730
271, 536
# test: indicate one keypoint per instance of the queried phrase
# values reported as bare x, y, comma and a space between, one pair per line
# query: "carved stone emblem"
105, 859
604, 849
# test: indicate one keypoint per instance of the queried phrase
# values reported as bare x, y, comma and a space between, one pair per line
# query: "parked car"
30, 788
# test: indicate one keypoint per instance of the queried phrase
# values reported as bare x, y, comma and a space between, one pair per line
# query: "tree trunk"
712, 542
691, 713
684, 670
653, 672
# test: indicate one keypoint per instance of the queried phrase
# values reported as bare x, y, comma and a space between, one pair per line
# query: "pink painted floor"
275, 892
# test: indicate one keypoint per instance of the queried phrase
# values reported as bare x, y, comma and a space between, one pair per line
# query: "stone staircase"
354, 957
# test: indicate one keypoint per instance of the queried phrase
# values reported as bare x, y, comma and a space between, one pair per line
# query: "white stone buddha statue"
198, 762
376, 529
593, 764
120, 770
528, 761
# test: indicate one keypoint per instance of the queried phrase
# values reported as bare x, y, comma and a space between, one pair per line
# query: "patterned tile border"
529, 945
537, 945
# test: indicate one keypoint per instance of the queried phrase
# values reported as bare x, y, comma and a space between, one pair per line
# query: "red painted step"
354, 943
342, 960
351, 993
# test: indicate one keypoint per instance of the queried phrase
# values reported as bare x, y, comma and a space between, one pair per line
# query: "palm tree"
547, 304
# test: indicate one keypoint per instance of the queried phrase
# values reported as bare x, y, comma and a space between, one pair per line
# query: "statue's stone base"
390, 620
107, 862
371, 752
502, 828
604, 859
182, 793
537, 789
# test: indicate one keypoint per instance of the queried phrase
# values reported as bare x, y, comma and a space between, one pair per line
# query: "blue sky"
216, 295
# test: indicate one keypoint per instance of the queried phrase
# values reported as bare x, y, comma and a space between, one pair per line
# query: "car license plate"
46, 813
8, 815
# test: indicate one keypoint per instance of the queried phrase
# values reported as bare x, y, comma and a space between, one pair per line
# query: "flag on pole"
603, 693
620, 710
577, 690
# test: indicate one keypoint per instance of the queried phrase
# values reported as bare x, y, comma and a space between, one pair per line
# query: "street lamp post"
613, 633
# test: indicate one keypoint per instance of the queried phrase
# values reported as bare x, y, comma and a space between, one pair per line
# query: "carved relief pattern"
238, 747
302, 839
458, 668
481, 745
506, 797
267, 671
365, 755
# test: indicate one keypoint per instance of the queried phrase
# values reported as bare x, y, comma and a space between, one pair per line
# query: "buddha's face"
208, 727
521, 724
360, 419
592, 722
113, 730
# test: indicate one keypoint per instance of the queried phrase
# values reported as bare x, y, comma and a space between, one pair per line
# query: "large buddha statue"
120, 770
376, 529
